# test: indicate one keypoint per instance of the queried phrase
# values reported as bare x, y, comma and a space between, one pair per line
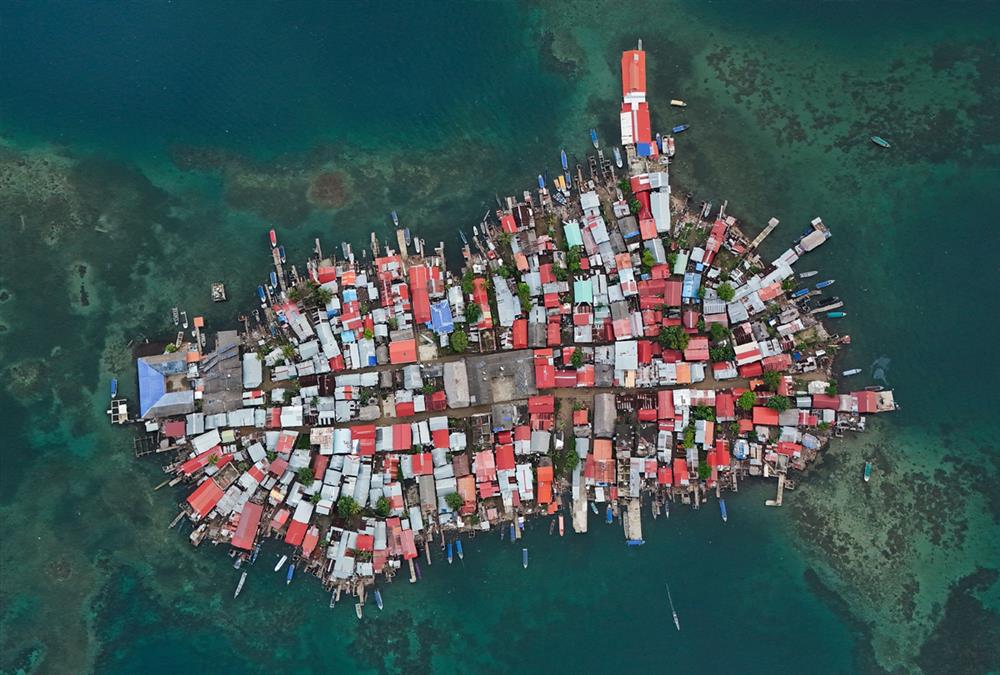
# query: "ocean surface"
146, 149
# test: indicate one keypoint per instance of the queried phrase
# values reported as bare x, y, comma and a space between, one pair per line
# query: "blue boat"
281, 253
799, 293
262, 294
722, 509
458, 547
450, 557
632, 543
565, 162
608, 516
593, 137
395, 218
291, 573
512, 531
378, 600
836, 315
824, 284
659, 143
274, 279
524, 558
114, 387
681, 127
569, 180
541, 182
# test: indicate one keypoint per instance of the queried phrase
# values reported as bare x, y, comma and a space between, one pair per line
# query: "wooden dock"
771, 224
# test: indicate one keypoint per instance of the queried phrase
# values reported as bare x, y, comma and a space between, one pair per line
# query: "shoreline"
675, 345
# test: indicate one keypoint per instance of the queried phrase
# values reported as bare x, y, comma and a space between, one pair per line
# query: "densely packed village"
606, 345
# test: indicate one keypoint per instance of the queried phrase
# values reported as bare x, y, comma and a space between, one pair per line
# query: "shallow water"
148, 148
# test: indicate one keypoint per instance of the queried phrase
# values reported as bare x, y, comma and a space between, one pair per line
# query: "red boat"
274, 239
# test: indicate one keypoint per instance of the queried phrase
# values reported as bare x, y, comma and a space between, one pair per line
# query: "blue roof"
441, 318
691, 283
152, 387
643, 149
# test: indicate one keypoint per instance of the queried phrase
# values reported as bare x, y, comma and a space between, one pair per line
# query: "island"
608, 346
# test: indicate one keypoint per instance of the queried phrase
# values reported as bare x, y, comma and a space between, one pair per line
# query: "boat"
836, 315
273, 237
239, 586
659, 143
881, 142
824, 284
666, 509
416, 566
671, 148
450, 556
524, 558
632, 543
541, 182
262, 294
565, 162
562, 525
569, 180
503, 533
175, 315
608, 515
806, 275
256, 552
593, 137
874, 387
799, 293
274, 279
114, 387
722, 510
378, 599
291, 573
677, 621
464, 240
238, 563
868, 471
281, 253
618, 157
512, 530
458, 549
281, 562
681, 128
184, 319
593, 507
559, 198
333, 598
677, 103
395, 218
852, 371
359, 610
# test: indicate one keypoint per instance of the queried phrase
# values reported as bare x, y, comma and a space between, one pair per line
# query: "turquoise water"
147, 148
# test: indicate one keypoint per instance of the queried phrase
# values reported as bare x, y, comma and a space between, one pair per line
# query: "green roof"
583, 291
573, 236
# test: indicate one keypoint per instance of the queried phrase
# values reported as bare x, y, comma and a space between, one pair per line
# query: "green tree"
322, 296
689, 436
213, 459
315, 497
718, 332
779, 403
725, 292
772, 378
170, 348
473, 312
831, 389
503, 271
271, 455
368, 333
305, 476
746, 401
459, 341
577, 358
634, 206
721, 353
573, 259
454, 501
524, 295
704, 471
288, 351
382, 507
703, 412
467, 279
673, 337
648, 260
347, 507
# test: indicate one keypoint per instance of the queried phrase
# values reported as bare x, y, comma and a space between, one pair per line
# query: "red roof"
825, 402
722, 459
173, 428
418, 291
519, 333
507, 223
665, 404
779, 362
199, 461
681, 471
633, 72
296, 532
541, 404
789, 449
205, 497
423, 464
867, 401
404, 409
402, 437
440, 438
672, 292
765, 416
725, 407
246, 528
697, 349
505, 457
545, 376
664, 476
403, 351
544, 493
365, 542
751, 369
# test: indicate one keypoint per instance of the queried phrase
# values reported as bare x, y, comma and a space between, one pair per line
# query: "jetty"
601, 345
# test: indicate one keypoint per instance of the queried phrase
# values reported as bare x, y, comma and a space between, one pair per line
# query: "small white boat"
378, 599
677, 103
806, 275
852, 371
359, 610
239, 586
524, 558
281, 562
